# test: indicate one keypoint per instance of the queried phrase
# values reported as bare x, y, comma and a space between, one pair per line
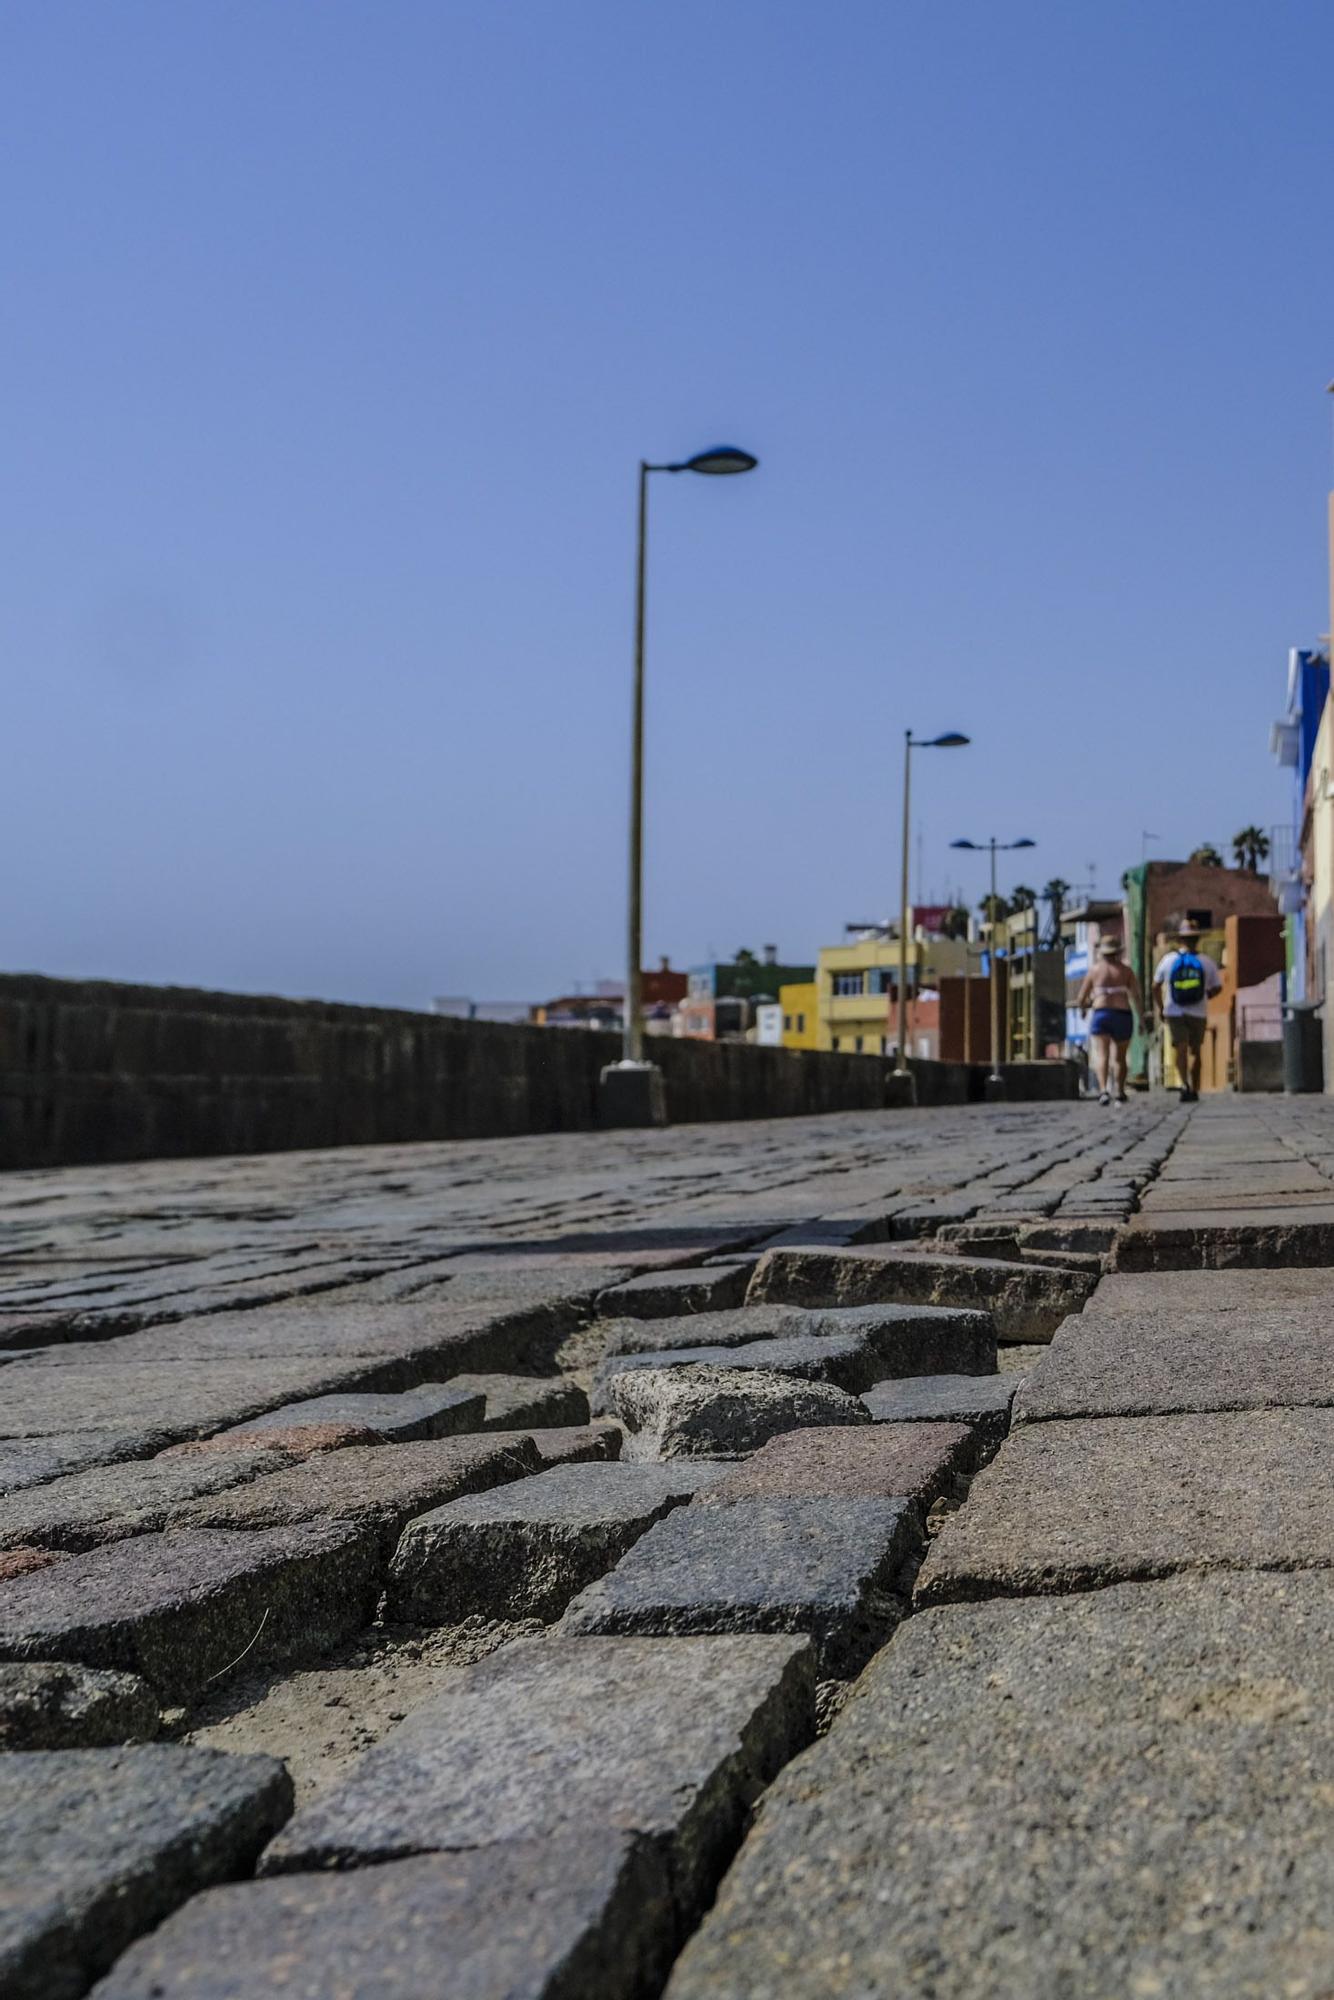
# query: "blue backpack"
1185, 982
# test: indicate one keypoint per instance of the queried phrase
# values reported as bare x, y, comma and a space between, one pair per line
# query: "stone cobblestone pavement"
340, 1657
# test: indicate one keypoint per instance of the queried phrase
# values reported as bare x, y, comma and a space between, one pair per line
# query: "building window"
857, 1045
846, 984
801, 1024
787, 1024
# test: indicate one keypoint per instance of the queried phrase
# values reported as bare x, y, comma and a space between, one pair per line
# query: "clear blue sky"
332, 335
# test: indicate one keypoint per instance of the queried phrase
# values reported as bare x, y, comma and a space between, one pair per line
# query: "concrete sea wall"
91, 1070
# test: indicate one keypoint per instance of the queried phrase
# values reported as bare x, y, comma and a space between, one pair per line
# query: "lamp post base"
900, 1090
631, 1093
995, 1091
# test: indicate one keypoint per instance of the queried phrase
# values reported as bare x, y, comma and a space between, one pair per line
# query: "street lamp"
632, 1088
995, 1082
951, 740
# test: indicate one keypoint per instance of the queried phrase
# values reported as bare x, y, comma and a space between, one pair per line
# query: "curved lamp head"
951, 740
1023, 843
964, 843
718, 459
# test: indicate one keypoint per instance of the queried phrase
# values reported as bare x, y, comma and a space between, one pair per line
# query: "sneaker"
1121, 1097
1190, 1097
1106, 1097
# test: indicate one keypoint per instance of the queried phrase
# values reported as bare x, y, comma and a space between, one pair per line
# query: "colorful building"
801, 1014
1159, 896
720, 999
857, 992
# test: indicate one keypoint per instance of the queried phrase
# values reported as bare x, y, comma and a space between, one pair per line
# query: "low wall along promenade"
91, 1070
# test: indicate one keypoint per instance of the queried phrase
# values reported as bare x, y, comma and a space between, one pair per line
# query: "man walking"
1184, 983
1111, 989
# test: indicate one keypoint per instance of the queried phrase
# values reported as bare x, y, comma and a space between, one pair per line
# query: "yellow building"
800, 1015
856, 983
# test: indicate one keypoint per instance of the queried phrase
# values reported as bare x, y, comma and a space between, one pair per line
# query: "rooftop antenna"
1144, 840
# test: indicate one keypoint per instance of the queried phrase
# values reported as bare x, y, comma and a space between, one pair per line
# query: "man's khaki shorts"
1187, 1030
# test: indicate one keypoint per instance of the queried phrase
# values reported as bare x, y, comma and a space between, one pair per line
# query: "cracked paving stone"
1027, 1301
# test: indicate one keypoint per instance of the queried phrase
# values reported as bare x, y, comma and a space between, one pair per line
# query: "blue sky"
332, 335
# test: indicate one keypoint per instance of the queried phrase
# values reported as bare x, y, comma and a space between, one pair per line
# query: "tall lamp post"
951, 740
995, 1082
632, 1092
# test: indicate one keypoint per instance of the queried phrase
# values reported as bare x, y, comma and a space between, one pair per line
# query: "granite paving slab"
665, 1294
1156, 1364
166, 1402
720, 1412
438, 1410
913, 1461
1176, 1292
553, 1738
569, 1444
981, 1402
1076, 1506
379, 1488
1110, 1795
29, 1462
831, 1568
96, 1846
109, 1502
525, 1552
1219, 1239
50, 1705
848, 1360
183, 1608
1027, 1301
586, 1918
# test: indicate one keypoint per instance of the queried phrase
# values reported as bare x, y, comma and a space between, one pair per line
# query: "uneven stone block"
98, 1845
983, 1402
378, 1488
671, 1740
181, 1608
109, 1502
831, 1568
1160, 1363
848, 1360
661, 1294
1026, 1301
909, 1340
515, 1401
721, 1412
436, 1410
913, 1461
524, 1552
48, 1705
570, 1444
1074, 1506
1217, 1239
586, 1918
1112, 1794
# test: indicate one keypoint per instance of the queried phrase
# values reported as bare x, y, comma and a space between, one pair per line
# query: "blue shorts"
1116, 1022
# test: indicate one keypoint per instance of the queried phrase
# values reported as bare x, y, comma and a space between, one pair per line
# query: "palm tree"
954, 924
1249, 848
1206, 856
1054, 894
994, 909
1022, 898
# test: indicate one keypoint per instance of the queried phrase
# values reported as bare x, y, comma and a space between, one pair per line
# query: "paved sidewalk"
419, 1564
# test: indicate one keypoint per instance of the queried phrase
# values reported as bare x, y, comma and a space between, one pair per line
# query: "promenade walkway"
879, 1555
